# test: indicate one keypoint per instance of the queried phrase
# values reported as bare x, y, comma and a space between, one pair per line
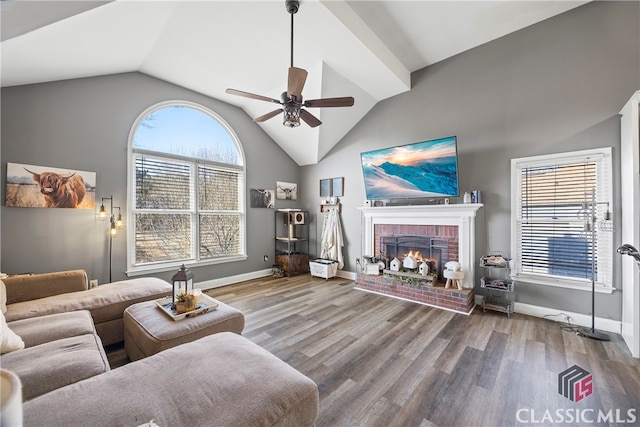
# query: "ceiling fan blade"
309, 118
251, 95
297, 78
268, 115
346, 101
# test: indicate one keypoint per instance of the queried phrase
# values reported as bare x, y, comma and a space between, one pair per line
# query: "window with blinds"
187, 189
561, 218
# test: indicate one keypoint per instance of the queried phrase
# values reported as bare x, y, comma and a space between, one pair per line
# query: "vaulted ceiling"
364, 49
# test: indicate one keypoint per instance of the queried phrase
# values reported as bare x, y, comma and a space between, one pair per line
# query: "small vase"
466, 198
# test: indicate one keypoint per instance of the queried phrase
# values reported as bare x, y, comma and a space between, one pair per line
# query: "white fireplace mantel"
461, 215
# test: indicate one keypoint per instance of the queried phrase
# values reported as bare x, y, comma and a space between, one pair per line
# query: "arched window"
186, 189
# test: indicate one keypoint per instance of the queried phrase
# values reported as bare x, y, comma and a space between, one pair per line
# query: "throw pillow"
9, 341
3, 297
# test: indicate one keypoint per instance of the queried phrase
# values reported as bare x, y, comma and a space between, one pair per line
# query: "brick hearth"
460, 301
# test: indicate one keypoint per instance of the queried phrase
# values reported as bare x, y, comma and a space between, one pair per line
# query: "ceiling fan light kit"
291, 100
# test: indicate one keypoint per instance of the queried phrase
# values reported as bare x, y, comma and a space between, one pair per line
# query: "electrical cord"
566, 325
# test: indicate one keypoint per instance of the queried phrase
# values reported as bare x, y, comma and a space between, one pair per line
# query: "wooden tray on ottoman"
205, 303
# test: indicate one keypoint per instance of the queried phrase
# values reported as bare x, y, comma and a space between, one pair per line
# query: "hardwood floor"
379, 361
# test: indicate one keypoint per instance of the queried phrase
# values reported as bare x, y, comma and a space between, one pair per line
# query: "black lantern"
182, 282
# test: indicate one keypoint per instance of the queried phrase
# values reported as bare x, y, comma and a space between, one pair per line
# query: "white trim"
230, 280
562, 283
461, 215
134, 269
346, 274
577, 319
174, 265
604, 157
225, 281
630, 224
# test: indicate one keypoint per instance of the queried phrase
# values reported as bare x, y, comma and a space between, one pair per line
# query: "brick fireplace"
437, 233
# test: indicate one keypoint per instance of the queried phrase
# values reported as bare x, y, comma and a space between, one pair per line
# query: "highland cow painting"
30, 186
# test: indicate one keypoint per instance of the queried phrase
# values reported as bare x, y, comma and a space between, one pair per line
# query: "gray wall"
553, 87
84, 124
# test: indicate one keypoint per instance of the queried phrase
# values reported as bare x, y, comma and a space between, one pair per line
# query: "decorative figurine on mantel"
423, 269
370, 266
394, 265
453, 274
410, 262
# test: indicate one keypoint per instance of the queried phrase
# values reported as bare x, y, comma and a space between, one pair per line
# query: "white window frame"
134, 269
604, 177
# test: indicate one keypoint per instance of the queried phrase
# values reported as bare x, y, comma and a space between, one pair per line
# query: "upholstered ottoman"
222, 380
148, 330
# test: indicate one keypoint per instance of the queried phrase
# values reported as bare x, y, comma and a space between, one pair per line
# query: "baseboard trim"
224, 281
346, 275
577, 319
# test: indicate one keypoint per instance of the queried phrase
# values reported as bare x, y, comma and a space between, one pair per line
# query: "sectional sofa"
221, 379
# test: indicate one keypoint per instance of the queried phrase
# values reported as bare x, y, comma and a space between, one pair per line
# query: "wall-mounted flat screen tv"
427, 169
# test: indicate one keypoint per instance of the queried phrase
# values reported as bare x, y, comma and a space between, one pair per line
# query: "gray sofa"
35, 295
59, 349
221, 379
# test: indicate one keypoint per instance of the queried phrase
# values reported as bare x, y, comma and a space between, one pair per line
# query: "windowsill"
157, 268
577, 285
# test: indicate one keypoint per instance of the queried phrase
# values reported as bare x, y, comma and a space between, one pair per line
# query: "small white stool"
453, 276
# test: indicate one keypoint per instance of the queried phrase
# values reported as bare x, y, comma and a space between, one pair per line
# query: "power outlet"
93, 283
266, 258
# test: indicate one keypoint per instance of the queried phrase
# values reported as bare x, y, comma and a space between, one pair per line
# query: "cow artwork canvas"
48, 187
262, 198
286, 190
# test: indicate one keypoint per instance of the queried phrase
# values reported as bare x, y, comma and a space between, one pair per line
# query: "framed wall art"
286, 190
261, 198
325, 188
337, 187
48, 187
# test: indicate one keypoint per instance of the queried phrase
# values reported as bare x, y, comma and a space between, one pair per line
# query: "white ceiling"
364, 49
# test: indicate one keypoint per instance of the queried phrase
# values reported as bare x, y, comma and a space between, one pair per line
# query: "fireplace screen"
435, 245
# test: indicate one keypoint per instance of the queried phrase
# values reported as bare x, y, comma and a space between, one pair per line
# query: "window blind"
560, 215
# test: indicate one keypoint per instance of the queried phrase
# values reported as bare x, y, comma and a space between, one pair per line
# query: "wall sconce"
115, 224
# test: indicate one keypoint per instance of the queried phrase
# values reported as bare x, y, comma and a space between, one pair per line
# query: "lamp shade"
182, 282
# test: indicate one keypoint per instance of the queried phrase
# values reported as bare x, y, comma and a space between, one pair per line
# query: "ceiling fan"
291, 100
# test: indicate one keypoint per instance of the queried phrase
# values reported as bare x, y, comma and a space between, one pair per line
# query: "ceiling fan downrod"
292, 7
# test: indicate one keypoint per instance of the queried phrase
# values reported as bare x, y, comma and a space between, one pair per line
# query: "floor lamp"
114, 224
591, 226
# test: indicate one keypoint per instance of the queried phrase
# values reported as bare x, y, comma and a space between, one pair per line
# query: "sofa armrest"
26, 287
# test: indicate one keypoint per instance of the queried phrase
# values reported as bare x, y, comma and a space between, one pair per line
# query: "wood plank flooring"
379, 361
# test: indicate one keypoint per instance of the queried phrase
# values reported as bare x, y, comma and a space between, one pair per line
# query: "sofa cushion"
3, 297
9, 340
106, 302
52, 365
219, 380
25, 287
39, 330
